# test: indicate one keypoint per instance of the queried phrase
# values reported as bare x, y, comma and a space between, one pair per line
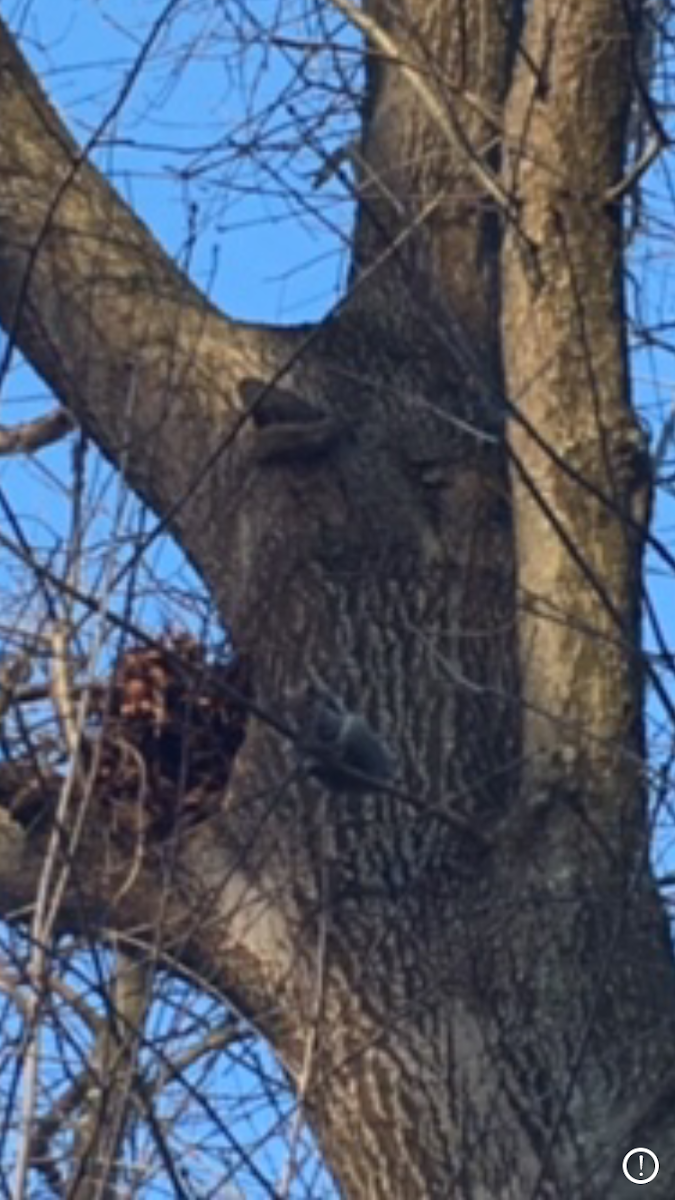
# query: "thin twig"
625, 185
30, 436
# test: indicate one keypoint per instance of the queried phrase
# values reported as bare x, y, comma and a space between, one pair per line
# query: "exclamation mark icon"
633, 1165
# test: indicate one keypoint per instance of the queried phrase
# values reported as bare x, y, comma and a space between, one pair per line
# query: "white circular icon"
639, 1167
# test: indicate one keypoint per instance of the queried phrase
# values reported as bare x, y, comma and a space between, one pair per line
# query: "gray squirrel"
340, 747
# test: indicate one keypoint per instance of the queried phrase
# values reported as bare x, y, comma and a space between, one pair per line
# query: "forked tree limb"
140, 356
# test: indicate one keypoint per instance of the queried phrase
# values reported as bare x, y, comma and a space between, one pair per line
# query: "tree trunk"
451, 537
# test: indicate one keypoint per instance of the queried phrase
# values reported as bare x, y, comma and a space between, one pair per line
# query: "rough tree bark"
452, 536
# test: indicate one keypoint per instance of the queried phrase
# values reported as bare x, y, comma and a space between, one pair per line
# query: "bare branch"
646, 160
30, 436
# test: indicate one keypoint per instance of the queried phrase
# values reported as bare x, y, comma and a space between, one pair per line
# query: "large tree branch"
565, 355
181, 918
142, 359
